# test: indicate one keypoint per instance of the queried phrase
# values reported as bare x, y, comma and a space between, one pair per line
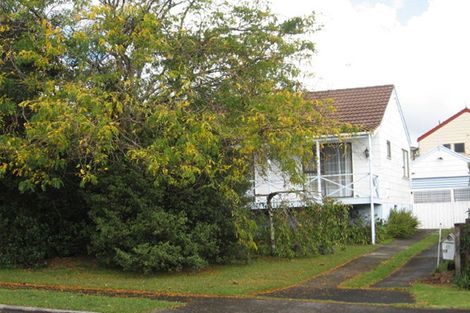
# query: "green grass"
74, 301
260, 275
441, 296
389, 266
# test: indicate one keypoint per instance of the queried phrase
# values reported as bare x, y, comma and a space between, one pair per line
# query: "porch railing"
334, 186
344, 185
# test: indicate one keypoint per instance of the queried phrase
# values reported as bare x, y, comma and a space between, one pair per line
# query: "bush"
359, 231
38, 225
401, 224
465, 239
144, 228
23, 240
316, 229
463, 280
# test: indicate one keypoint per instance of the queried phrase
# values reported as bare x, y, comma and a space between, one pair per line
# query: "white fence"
441, 214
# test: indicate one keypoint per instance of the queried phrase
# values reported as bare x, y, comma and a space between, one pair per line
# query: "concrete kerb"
24, 309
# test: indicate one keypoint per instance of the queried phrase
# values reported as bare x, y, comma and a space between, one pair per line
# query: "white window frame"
406, 163
389, 150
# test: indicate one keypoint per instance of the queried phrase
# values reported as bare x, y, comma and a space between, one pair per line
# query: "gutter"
343, 136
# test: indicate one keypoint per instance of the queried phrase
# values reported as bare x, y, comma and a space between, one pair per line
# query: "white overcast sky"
420, 46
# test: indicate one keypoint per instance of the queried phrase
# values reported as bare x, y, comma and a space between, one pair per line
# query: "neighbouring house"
441, 188
453, 133
368, 169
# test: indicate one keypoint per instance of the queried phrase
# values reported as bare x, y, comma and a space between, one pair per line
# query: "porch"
340, 169
348, 188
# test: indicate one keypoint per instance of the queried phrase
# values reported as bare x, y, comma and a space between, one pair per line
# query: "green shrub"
401, 224
445, 266
465, 239
144, 228
38, 225
359, 231
316, 229
463, 280
23, 240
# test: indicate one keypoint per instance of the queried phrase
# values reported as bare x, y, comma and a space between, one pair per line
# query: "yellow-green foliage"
190, 92
140, 79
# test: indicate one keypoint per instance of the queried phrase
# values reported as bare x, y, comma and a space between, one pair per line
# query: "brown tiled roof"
363, 107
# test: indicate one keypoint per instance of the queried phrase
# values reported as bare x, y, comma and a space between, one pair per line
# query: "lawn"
389, 266
262, 274
441, 296
75, 301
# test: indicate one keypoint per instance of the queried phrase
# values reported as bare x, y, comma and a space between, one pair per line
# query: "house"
368, 169
441, 188
453, 133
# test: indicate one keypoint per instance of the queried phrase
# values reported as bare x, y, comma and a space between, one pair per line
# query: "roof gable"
364, 107
441, 163
444, 150
447, 121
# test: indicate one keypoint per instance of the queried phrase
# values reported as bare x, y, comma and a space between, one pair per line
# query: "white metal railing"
344, 185
348, 185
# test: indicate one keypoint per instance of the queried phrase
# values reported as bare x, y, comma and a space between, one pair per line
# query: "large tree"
192, 91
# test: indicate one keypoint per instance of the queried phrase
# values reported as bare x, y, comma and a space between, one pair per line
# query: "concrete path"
325, 287
419, 267
363, 264
346, 295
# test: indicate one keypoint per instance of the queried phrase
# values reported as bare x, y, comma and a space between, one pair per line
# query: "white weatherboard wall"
456, 131
440, 162
440, 170
395, 189
272, 180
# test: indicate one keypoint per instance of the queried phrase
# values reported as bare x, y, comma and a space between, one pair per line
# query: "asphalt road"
289, 306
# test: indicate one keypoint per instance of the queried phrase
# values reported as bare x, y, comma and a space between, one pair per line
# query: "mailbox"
448, 248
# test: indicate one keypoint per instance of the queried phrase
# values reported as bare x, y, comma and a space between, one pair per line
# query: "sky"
420, 46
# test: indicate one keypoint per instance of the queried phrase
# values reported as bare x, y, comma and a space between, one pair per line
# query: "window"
447, 145
336, 165
406, 164
459, 147
336, 169
462, 194
432, 196
389, 150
